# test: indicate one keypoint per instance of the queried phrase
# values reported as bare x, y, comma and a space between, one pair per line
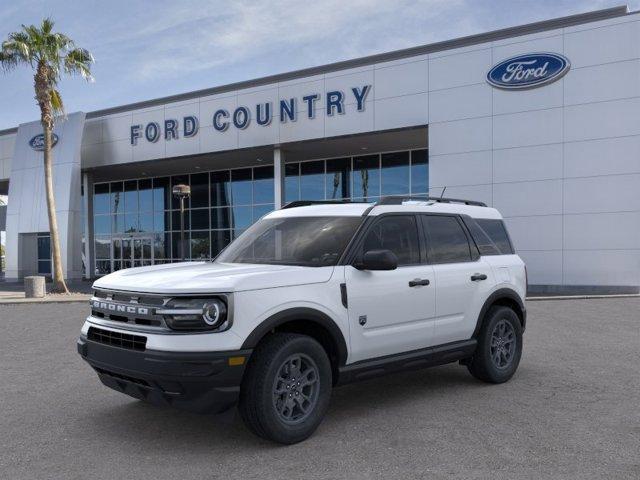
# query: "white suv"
312, 296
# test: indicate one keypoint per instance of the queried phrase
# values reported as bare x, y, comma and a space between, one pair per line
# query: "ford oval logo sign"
528, 71
37, 142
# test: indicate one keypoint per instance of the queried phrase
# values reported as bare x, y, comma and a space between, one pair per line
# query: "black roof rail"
399, 199
307, 203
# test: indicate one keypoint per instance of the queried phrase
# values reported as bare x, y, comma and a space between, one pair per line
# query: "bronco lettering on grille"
120, 308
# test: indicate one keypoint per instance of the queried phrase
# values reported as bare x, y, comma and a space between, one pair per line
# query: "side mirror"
378, 260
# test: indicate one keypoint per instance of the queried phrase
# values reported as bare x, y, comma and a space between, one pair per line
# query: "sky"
146, 49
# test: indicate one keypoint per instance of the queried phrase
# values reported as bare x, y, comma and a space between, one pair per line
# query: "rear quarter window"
490, 236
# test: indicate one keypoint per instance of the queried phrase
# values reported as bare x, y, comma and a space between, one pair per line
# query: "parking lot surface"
571, 411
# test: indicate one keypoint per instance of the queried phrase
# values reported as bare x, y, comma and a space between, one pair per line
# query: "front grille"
117, 339
130, 308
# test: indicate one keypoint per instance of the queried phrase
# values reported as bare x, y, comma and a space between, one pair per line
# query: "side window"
486, 246
397, 233
447, 242
497, 232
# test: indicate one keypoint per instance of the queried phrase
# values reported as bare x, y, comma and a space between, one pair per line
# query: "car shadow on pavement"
137, 421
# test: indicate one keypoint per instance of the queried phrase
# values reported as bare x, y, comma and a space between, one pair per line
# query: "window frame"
474, 254
354, 250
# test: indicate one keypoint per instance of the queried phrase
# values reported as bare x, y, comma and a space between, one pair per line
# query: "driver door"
391, 311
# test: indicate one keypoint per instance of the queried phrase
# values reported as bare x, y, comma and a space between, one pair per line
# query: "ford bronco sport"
312, 296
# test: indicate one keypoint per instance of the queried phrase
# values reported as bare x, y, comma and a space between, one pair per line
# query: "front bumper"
202, 382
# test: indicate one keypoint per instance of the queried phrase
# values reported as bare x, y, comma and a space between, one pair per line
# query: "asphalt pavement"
571, 411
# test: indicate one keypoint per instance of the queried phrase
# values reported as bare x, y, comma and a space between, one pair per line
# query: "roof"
500, 34
357, 209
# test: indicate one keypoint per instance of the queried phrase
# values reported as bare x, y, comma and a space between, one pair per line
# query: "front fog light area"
196, 314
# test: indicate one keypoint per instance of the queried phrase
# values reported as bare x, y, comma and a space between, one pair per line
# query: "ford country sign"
528, 71
37, 142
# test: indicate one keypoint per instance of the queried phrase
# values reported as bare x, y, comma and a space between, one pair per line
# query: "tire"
273, 403
496, 358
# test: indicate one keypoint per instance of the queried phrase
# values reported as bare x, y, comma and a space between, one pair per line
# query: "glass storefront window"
312, 180
161, 194
395, 173
338, 181
291, 182
145, 195
263, 185
220, 189
366, 177
420, 171
101, 198
200, 190
241, 191
117, 191
137, 222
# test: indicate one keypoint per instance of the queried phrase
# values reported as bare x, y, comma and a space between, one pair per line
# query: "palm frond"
78, 61
56, 102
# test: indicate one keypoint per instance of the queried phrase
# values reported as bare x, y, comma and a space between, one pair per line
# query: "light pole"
181, 192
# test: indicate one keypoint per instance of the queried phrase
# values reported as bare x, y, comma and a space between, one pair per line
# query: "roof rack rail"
306, 203
399, 199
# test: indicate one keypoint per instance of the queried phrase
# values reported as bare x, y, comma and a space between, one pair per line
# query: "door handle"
478, 276
418, 282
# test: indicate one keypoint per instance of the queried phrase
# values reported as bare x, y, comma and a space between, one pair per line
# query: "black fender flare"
500, 294
305, 314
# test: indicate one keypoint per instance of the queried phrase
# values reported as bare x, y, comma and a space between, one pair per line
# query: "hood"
208, 277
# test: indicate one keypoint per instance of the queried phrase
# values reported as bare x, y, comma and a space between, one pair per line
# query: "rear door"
463, 279
391, 311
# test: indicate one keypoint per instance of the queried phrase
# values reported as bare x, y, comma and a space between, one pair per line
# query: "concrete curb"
583, 297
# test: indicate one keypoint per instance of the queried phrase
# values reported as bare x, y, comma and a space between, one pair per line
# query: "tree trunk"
46, 118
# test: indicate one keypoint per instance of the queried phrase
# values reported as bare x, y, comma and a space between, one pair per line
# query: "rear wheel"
287, 387
499, 346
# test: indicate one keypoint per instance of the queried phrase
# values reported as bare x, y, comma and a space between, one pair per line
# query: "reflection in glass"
145, 195
146, 222
366, 177
131, 196
175, 220
241, 186
200, 219
101, 198
338, 179
116, 197
395, 173
241, 217
220, 189
102, 247
291, 182
419, 171
200, 190
131, 222
220, 218
102, 224
199, 245
161, 194
263, 185
312, 180
260, 210
219, 240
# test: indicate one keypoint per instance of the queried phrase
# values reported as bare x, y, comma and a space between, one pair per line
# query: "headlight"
196, 314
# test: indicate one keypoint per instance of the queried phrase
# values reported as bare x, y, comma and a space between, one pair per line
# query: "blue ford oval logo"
37, 142
528, 71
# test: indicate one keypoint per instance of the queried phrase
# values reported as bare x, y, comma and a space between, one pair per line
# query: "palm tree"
49, 54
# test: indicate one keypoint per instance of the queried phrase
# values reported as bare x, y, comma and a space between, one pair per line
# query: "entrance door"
131, 251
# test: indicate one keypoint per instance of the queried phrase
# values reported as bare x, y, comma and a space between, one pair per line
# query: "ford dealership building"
541, 121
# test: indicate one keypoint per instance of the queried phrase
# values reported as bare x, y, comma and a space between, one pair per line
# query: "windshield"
304, 241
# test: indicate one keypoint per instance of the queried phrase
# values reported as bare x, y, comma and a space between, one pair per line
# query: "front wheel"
499, 346
286, 389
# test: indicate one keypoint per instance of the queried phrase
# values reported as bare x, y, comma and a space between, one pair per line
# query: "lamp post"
181, 192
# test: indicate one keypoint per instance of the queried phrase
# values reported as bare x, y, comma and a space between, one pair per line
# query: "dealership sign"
528, 71
37, 142
262, 114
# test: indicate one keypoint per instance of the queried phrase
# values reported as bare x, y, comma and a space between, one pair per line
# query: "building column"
87, 205
278, 177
